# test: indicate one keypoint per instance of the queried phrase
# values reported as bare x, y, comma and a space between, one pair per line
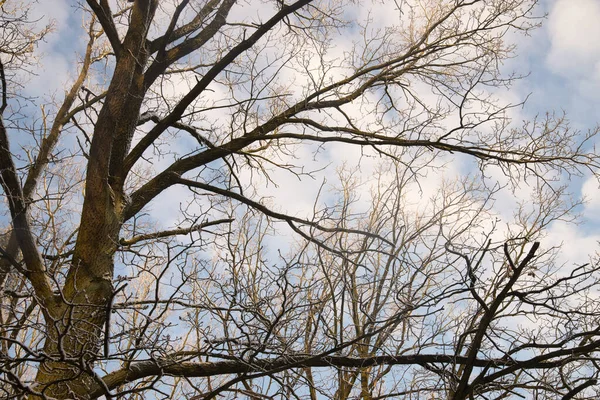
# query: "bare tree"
383, 289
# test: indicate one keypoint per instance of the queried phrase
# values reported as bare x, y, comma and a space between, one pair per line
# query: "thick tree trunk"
74, 329
71, 344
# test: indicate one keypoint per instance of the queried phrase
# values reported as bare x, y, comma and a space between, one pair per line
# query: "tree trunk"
74, 329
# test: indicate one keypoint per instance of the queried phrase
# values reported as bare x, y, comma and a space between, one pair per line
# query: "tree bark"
74, 328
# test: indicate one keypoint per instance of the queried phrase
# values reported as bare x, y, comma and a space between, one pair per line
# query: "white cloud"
55, 54
577, 245
574, 30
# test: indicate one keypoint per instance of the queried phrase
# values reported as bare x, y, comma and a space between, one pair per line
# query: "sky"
561, 59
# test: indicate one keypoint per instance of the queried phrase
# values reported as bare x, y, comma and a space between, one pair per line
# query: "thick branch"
143, 369
104, 15
35, 271
172, 34
168, 57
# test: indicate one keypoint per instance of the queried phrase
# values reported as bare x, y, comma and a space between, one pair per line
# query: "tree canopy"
286, 199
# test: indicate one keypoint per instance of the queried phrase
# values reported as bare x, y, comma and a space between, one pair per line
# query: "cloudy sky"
562, 59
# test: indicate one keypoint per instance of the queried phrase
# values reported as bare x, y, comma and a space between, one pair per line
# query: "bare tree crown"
151, 248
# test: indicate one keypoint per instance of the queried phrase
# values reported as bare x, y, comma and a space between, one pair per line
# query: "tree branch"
104, 15
173, 232
143, 369
219, 66
168, 57
35, 270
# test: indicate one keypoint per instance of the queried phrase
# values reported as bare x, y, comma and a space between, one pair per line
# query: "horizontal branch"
509, 156
273, 214
173, 232
144, 369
